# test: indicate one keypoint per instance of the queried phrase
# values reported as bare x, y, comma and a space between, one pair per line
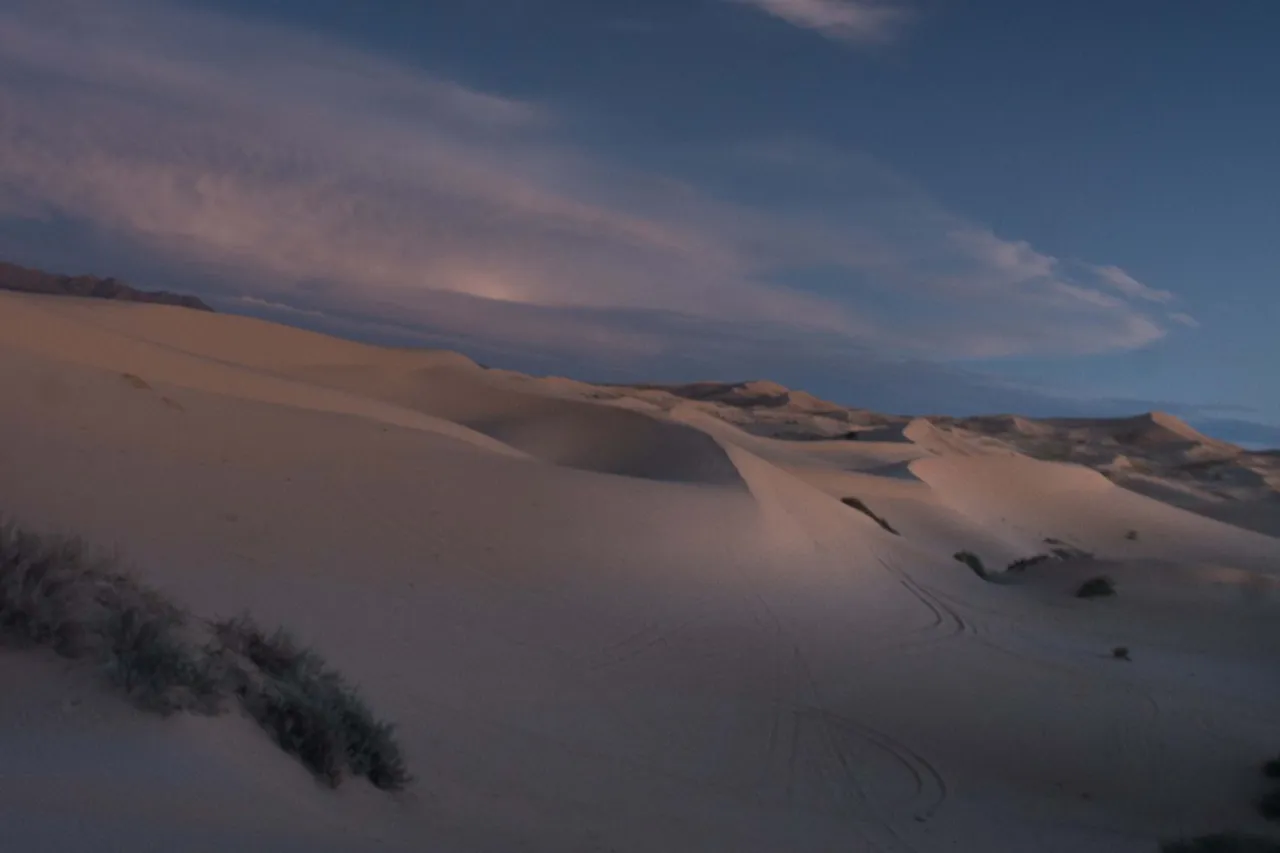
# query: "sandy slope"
602, 627
1154, 454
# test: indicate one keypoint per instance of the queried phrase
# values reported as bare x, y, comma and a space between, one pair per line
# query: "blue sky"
926, 205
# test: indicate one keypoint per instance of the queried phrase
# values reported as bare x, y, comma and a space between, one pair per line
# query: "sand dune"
1153, 454
555, 427
615, 621
1043, 500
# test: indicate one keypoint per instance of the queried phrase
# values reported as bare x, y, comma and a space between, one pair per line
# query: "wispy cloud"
1131, 287
856, 21
286, 160
311, 160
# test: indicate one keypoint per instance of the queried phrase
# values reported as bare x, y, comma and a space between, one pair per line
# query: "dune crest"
704, 618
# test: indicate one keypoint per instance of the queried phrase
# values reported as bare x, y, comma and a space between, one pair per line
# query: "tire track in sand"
805, 722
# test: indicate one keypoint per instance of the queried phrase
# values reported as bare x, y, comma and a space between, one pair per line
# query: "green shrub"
1098, 587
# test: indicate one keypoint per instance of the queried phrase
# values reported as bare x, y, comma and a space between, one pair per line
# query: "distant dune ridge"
719, 616
1154, 454
25, 280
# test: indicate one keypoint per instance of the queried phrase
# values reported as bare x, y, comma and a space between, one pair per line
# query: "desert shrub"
310, 710
54, 595
1227, 842
866, 510
973, 561
1070, 552
1098, 587
155, 665
1027, 562
1121, 653
42, 585
1272, 769
1132, 536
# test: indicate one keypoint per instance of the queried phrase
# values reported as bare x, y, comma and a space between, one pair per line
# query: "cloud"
1185, 320
304, 172
1131, 287
854, 21
314, 160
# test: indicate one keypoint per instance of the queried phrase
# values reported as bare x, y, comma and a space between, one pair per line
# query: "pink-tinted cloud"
856, 21
284, 158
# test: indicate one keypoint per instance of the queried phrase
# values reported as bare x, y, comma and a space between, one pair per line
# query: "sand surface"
615, 621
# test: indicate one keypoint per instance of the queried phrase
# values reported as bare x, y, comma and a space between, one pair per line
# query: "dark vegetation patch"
1099, 587
1269, 804
1235, 842
55, 595
308, 708
973, 561
1121, 653
866, 510
1066, 551
1027, 562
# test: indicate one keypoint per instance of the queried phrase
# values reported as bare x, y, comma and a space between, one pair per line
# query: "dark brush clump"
1070, 552
1027, 562
309, 709
1098, 587
54, 596
973, 561
866, 510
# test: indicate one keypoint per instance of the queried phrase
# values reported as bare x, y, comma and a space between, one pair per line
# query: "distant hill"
1155, 453
24, 280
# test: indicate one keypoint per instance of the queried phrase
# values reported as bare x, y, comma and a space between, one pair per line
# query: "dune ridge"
632, 619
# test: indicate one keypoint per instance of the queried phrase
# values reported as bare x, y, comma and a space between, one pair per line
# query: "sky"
935, 206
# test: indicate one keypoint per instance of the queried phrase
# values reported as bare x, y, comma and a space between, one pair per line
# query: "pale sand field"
612, 626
